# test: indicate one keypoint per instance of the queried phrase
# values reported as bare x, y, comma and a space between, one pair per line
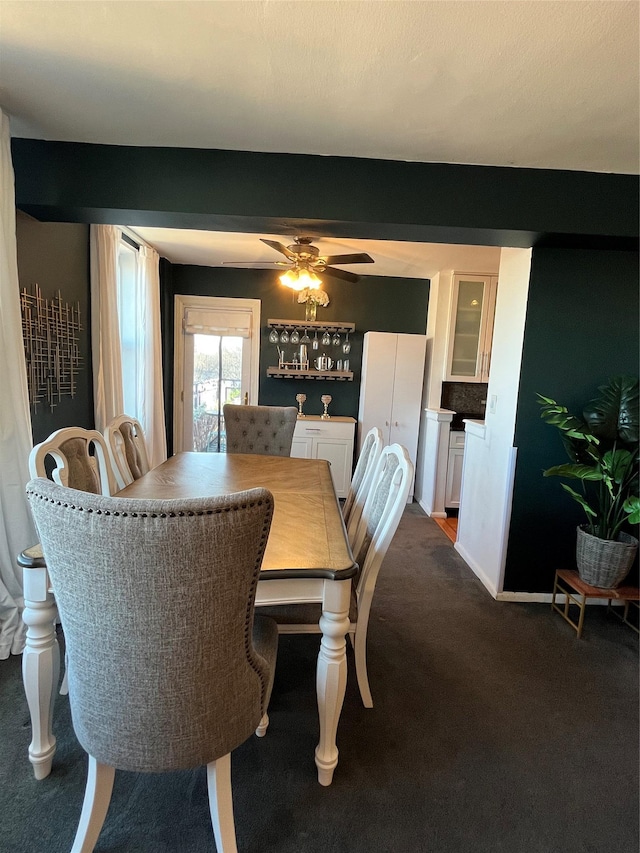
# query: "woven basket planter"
604, 562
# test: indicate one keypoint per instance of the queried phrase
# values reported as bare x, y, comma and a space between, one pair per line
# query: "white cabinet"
473, 306
317, 438
454, 469
391, 388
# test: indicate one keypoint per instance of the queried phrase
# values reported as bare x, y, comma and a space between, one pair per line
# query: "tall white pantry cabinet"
391, 388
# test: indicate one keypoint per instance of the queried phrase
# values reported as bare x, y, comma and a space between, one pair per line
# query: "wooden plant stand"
576, 591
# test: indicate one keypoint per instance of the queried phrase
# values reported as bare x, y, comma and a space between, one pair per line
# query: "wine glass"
326, 399
284, 337
295, 337
346, 346
326, 338
336, 340
315, 344
305, 339
300, 398
273, 336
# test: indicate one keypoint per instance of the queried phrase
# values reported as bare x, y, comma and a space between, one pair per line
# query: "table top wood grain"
307, 537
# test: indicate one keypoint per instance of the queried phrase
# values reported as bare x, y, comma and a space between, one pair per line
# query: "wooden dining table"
307, 559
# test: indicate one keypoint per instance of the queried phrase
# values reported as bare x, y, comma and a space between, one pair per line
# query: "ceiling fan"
304, 262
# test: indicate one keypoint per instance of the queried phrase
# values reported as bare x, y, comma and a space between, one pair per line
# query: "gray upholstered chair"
127, 449
265, 430
168, 669
361, 480
379, 521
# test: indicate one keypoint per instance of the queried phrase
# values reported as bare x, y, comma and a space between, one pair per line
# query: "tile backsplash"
467, 399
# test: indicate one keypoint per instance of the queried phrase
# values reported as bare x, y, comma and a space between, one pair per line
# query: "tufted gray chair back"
265, 430
156, 598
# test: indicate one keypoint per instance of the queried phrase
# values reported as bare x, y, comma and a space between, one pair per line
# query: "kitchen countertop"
474, 426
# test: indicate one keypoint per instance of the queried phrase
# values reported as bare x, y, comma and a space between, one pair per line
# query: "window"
131, 324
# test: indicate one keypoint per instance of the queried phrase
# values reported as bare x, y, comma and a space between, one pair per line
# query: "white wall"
489, 461
424, 476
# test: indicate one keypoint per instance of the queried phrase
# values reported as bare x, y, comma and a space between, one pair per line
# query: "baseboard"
521, 597
527, 597
476, 569
429, 512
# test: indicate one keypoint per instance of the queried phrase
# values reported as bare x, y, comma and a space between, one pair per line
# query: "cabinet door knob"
396, 423
386, 423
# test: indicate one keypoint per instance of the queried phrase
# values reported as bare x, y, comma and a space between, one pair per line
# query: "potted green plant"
603, 449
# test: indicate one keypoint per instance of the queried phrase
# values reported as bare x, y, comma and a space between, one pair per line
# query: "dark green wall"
323, 196
581, 329
583, 312
378, 303
56, 257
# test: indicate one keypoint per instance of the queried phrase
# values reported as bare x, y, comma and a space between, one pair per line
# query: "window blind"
232, 323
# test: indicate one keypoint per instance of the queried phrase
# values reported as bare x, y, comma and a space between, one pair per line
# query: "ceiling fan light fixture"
298, 279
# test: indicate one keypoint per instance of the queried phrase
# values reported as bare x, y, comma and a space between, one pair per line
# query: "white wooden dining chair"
381, 515
362, 476
190, 677
127, 448
80, 461
80, 457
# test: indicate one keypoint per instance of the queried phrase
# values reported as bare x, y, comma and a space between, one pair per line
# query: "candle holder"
300, 398
325, 399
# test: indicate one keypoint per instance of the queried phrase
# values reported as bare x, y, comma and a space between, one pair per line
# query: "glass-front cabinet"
471, 328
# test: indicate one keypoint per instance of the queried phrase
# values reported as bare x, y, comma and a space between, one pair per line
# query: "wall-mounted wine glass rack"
293, 369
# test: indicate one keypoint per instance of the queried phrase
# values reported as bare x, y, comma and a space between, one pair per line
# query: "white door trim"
182, 303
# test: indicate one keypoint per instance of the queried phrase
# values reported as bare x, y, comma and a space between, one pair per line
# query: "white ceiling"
528, 84
391, 258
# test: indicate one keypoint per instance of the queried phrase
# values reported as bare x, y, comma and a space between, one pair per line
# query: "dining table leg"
40, 666
331, 674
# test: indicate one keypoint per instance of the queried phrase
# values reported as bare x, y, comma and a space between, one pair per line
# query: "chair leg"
97, 796
360, 649
263, 725
221, 804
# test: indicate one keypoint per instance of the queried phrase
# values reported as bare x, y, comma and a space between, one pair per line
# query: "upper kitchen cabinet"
473, 303
391, 387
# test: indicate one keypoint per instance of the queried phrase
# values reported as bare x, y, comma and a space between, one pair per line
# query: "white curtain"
105, 334
16, 527
150, 399
108, 386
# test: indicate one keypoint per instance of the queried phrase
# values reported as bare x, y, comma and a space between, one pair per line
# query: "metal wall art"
50, 328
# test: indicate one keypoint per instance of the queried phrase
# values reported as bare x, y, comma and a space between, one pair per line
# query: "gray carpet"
494, 731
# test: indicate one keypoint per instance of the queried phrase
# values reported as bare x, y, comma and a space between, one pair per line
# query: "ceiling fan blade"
255, 263
361, 258
280, 248
343, 274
